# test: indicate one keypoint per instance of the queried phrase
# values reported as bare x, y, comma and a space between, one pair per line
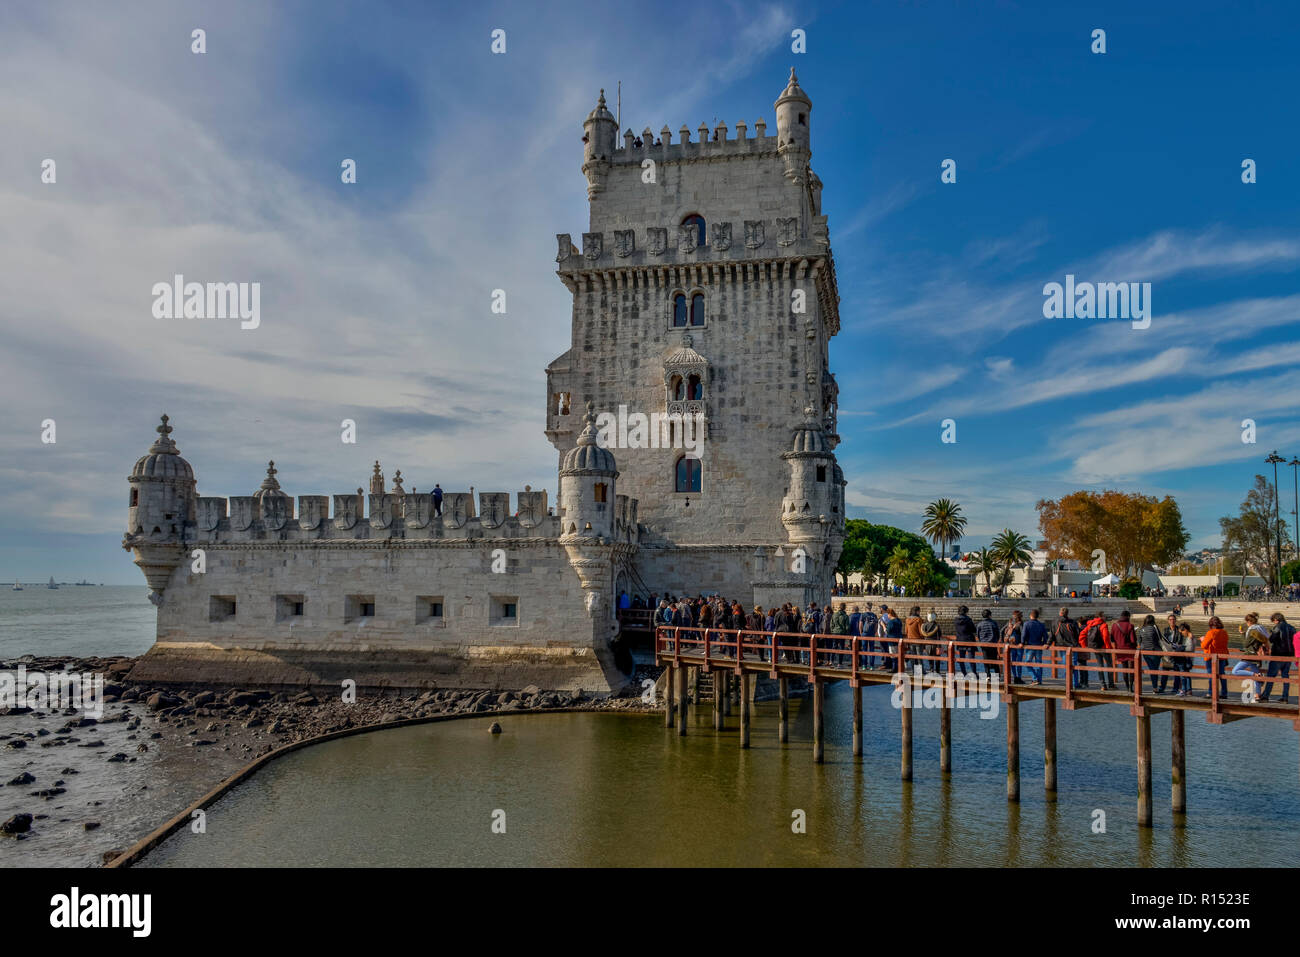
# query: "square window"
429, 610
357, 607
221, 607
289, 607
504, 610
821, 473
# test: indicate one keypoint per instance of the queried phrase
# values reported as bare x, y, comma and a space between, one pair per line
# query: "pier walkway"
736, 656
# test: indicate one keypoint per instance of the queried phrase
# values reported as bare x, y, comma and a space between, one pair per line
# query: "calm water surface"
76, 620
621, 790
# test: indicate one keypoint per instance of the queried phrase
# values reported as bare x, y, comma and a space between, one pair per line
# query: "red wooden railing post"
812, 654
1214, 684
952, 657
707, 650
853, 660
1069, 673
900, 664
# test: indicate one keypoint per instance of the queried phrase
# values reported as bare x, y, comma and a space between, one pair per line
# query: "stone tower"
705, 288
162, 508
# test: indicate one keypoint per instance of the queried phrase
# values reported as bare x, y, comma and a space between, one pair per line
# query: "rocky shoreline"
78, 790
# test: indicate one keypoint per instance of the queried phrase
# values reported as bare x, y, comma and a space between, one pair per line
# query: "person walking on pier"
1148, 639
1065, 635
931, 632
986, 633
1215, 642
1033, 636
1012, 634
891, 630
1124, 638
1171, 640
1282, 645
912, 631
840, 627
1096, 637
867, 626
963, 630
1205, 606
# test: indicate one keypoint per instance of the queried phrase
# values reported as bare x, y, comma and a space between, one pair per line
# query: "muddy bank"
77, 790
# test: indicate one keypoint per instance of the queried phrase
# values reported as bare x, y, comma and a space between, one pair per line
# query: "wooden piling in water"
1178, 775
695, 688
719, 716
726, 694
1144, 769
1013, 750
905, 772
681, 701
783, 710
945, 735
819, 723
1049, 747
670, 710
744, 711
857, 721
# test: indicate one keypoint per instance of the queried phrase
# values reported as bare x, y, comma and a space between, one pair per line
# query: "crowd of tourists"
1101, 650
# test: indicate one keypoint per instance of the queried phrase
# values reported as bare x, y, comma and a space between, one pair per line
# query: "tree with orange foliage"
1135, 531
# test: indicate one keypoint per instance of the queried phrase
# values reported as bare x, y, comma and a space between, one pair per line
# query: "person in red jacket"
1122, 638
1096, 635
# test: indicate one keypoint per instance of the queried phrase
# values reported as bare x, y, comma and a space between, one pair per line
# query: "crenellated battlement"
707, 144
754, 240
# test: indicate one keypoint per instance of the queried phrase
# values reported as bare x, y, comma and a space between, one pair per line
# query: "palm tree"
943, 524
897, 563
1011, 548
985, 563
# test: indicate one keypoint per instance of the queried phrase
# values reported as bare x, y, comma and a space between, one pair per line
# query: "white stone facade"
345, 585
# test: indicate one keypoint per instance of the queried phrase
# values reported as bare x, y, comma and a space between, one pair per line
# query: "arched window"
694, 389
688, 474
601, 490
135, 497
676, 388
696, 220
697, 308
679, 310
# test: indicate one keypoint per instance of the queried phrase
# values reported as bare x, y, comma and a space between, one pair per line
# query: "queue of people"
1098, 648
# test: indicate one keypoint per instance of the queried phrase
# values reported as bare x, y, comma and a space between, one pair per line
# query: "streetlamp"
1295, 477
1273, 459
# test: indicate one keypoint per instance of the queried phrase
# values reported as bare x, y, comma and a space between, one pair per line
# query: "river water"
621, 790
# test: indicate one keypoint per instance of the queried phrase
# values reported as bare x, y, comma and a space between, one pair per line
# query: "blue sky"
1117, 167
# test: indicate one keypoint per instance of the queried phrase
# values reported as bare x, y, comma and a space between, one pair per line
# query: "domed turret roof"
587, 456
163, 460
793, 91
809, 437
685, 354
270, 487
601, 112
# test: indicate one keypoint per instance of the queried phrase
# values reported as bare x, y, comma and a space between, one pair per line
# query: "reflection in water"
621, 790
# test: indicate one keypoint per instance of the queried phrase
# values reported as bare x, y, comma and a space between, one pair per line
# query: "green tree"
874, 545
985, 563
1010, 548
1250, 535
943, 524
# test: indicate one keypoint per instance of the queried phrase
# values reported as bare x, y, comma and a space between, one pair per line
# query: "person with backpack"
1148, 640
1124, 639
1065, 635
1171, 640
867, 626
840, 627
963, 630
1097, 638
912, 632
1281, 644
891, 629
986, 633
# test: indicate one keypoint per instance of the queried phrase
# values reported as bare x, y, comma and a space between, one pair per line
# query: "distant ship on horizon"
17, 587
51, 584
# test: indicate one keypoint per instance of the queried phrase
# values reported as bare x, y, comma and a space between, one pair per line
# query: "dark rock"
93, 744
69, 771
91, 825
48, 793
494, 728
16, 744
117, 758
24, 778
158, 700
18, 824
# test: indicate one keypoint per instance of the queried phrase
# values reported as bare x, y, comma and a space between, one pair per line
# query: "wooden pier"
822, 659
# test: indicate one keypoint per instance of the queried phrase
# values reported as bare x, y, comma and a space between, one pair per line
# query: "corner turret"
162, 507
600, 135
587, 477
793, 125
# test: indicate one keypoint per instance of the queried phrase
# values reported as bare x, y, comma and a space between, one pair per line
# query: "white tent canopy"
1108, 580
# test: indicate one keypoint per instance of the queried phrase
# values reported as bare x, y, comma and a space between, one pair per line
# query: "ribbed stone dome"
270, 488
163, 460
587, 456
809, 437
600, 112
